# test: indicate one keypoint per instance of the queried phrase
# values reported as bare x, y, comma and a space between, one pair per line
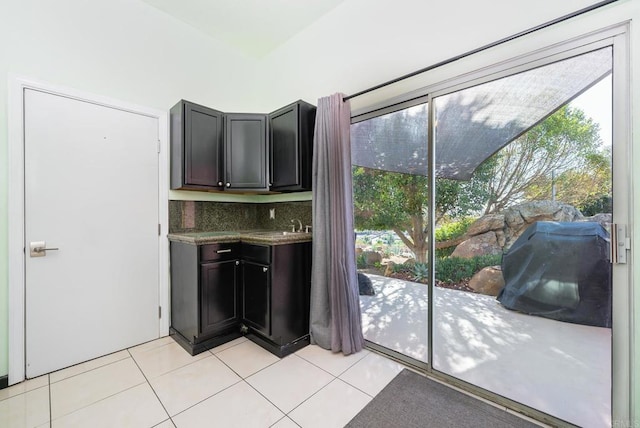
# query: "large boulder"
603, 218
485, 224
487, 281
372, 257
479, 245
389, 269
519, 217
494, 233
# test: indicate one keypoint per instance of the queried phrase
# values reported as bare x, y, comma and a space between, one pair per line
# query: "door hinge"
159, 229
159, 311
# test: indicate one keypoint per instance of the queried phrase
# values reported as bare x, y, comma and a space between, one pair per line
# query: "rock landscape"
495, 233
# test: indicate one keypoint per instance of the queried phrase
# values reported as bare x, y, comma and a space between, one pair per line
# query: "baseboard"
4, 381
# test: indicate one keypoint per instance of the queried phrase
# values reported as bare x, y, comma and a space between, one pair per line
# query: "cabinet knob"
237, 262
228, 184
220, 183
264, 269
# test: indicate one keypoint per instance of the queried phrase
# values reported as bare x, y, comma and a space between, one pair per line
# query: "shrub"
456, 269
601, 204
451, 230
361, 261
420, 272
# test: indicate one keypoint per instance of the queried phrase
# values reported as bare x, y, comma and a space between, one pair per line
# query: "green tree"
565, 145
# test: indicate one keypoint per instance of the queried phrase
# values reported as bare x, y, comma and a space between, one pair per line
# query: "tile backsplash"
200, 216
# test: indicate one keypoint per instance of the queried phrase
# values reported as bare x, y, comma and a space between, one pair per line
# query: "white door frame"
16, 218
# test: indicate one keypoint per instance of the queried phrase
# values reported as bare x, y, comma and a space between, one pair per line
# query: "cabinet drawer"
256, 253
216, 252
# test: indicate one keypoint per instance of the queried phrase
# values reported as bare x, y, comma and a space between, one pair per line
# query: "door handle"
38, 249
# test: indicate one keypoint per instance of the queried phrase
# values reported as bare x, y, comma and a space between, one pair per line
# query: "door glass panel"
522, 298
389, 155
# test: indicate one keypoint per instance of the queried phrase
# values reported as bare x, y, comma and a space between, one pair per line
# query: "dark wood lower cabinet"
219, 305
205, 298
256, 288
220, 291
280, 275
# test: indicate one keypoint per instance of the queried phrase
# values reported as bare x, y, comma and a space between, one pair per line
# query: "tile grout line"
338, 375
86, 371
50, 410
335, 377
282, 418
204, 399
102, 399
312, 395
244, 379
269, 401
150, 386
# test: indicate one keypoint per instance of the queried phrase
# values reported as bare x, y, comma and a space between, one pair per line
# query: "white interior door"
91, 192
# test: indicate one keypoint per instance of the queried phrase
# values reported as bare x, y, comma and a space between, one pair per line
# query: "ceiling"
254, 27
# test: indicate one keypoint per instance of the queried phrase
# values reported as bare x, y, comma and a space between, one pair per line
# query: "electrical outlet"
272, 213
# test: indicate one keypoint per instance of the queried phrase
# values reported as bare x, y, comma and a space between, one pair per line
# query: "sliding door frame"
616, 36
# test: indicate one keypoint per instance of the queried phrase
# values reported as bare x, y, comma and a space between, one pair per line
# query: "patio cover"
474, 123
560, 271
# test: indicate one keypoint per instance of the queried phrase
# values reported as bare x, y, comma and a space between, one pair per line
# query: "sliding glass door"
391, 198
532, 151
483, 230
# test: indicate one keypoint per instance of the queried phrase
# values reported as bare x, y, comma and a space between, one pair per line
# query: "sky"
596, 103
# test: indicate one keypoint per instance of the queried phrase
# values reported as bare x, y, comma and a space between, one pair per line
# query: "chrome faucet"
293, 227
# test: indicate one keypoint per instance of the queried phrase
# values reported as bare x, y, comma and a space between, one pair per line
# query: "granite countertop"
272, 237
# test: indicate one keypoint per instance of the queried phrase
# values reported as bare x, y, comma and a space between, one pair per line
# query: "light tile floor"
239, 384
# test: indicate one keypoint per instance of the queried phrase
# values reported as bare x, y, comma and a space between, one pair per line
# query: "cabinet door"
256, 291
285, 153
291, 146
219, 295
202, 146
246, 151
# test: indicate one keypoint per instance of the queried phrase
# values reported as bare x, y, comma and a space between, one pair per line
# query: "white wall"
123, 49
128, 50
363, 43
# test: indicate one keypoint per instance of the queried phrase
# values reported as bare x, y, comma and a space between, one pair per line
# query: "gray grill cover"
560, 271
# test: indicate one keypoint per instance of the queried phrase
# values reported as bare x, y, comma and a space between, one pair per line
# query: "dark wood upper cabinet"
291, 146
244, 152
196, 147
245, 144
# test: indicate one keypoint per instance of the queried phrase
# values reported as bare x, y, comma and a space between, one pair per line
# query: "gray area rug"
412, 400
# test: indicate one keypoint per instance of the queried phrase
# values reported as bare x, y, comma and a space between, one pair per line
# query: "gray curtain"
335, 306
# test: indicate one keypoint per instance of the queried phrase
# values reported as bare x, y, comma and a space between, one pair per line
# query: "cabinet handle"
228, 184
264, 269
228, 250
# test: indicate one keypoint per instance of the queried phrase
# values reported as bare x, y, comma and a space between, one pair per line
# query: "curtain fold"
335, 322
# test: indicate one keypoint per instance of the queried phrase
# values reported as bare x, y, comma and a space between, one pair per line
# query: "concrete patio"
560, 368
